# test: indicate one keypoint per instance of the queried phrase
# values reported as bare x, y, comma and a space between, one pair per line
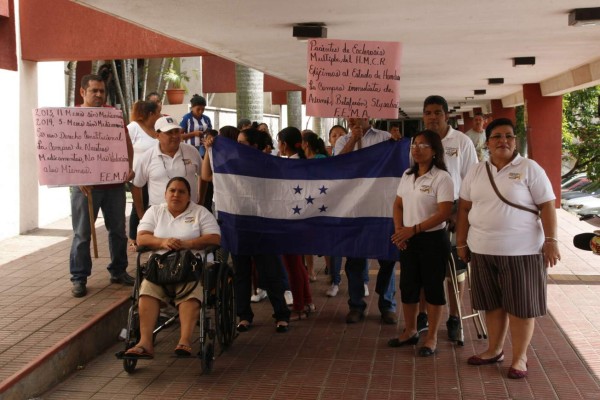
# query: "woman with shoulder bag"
178, 224
506, 228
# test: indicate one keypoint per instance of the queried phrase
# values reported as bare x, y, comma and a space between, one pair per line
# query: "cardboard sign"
80, 146
356, 79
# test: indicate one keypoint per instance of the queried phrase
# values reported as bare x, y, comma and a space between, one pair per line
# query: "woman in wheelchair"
177, 224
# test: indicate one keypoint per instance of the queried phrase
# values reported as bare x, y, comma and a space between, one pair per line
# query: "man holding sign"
362, 135
110, 198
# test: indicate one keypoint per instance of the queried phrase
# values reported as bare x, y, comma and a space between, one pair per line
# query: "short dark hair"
435, 99
197, 100
496, 123
85, 80
243, 122
479, 114
230, 132
149, 95
179, 179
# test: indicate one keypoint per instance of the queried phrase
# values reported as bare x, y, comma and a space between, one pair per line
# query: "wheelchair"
217, 311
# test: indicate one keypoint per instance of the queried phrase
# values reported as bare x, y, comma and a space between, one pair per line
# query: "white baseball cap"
164, 124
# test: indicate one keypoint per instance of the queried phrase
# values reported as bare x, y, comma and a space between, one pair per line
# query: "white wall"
54, 203
9, 161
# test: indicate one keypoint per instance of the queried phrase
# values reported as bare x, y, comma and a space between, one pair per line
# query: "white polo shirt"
420, 197
496, 227
156, 169
370, 138
194, 222
459, 156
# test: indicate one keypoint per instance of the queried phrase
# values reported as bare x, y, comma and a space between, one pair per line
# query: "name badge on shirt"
451, 151
425, 189
514, 175
189, 220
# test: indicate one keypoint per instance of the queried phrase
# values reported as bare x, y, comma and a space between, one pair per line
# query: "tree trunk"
135, 85
145, 78
159, 78
72, 83
119, 91
126, 68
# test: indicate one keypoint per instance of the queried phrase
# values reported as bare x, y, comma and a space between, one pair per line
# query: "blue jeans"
385, 286
112, 203
336, 266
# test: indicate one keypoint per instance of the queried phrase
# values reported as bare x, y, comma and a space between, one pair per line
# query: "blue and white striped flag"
338, 206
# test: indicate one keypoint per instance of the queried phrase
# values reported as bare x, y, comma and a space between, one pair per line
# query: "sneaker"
333, 290
354, 316
453, 325
366, 290
79, 289
422, 322
260, 295
123, 278
289, 299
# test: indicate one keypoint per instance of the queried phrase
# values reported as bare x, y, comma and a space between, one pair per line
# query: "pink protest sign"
80, 146
349, 78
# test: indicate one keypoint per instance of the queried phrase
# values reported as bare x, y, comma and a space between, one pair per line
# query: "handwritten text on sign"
353, 78
80, 146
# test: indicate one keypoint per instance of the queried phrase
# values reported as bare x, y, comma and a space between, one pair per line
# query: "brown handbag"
489, 172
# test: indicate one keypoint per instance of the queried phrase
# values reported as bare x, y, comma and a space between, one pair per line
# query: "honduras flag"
339, 206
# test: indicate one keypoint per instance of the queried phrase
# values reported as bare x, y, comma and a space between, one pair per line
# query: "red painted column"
468, 124
498, 111
544, 132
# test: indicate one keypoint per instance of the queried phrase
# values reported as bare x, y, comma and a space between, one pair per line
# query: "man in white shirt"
168, 159
477, 136
459, 156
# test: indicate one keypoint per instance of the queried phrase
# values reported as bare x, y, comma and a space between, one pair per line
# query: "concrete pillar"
316, 126
249, 93
498, 111
28, 205
543, 116
294, 109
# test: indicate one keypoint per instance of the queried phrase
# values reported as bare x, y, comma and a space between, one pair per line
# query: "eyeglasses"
421, 146
507, 137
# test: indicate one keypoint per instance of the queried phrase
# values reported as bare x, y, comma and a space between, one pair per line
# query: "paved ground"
320, 358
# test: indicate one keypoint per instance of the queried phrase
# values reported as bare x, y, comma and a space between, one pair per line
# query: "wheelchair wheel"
129, 365
225, 310
208, 358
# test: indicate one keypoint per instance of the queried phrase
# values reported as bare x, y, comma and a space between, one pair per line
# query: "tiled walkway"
320, 358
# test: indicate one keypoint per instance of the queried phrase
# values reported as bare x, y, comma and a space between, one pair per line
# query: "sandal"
282, 326
243, 326
139, 354
132, 247
183, 350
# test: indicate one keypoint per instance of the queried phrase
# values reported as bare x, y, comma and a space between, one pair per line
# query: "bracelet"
551, 239
462, 247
